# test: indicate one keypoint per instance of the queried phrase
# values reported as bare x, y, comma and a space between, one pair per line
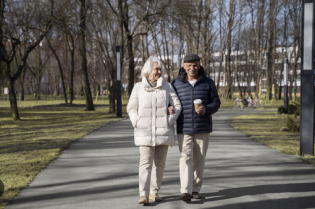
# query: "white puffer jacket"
147, 109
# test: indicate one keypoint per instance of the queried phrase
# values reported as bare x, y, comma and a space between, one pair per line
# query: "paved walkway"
101, 171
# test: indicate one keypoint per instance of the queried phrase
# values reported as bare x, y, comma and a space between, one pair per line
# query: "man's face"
192, 68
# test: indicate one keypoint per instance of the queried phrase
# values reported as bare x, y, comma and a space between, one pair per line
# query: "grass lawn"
267, 104
49, 126
45, 129
265, 128
31, 102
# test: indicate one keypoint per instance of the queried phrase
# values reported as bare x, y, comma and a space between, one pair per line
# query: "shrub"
297, 112
292, 125
282, 110
292, 109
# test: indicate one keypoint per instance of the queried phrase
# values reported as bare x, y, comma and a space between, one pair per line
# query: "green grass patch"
31, 102
265, 128
266, 104
29, 145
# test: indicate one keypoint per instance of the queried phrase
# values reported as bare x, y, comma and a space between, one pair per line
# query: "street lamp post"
118, 67
307, 79
285, 82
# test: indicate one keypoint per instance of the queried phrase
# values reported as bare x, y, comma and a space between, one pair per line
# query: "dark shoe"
185, 197
196, 195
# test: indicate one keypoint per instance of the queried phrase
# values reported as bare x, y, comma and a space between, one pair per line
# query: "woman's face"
155, 73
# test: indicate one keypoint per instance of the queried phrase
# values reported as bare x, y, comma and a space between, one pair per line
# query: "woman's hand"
170, 110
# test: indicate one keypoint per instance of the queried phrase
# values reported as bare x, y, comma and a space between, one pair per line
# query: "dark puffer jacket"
189, 122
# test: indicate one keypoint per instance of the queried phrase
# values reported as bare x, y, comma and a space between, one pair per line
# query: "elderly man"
194, 126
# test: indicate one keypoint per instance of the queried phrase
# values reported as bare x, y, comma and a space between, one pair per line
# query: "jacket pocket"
135, 121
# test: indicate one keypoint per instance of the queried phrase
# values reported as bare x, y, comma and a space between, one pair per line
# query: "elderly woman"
153, 108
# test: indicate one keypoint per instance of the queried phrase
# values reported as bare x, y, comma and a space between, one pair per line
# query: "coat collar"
148, 87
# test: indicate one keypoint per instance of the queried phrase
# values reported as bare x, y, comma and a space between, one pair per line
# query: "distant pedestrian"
194, 124
153, 121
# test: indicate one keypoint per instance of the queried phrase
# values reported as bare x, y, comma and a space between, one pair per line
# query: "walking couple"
153, 108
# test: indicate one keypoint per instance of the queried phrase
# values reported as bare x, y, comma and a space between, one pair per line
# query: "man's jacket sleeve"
215, 103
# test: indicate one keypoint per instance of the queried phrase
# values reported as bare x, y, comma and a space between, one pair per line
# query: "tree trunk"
260, 42
142, 43
165, 49
131, 64
61, 75
21, 85
112, 97
221, 51
269, 51
198, 25
229, 48
85, 77
205, 55
37, 84
56, 92
71, 81
273, 60
12, 97
296, 47
71, 48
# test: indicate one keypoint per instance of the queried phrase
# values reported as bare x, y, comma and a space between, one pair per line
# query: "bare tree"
107, 34
8, 34
60, 70
270, 46
296, 19
284, 42
87, 90
231, 19
222, 43
40, 59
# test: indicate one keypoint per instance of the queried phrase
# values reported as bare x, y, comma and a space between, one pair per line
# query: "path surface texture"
101, 171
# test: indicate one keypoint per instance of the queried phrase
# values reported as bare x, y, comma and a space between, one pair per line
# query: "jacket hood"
182, 74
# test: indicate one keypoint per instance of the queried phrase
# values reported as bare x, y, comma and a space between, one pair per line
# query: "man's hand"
170, 110
201, 110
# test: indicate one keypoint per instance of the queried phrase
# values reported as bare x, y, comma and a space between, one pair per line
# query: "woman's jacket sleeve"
132, 106
174, 101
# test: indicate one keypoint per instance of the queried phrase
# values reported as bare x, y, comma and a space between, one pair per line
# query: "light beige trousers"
193, 149
151, 169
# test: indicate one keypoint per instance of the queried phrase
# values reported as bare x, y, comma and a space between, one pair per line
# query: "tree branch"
112, 8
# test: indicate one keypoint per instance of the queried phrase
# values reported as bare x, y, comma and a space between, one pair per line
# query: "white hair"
148, 66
